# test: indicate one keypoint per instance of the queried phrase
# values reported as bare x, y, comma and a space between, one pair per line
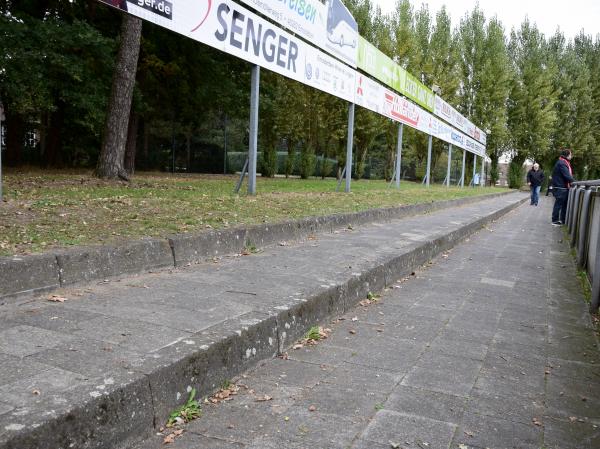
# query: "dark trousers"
559, 212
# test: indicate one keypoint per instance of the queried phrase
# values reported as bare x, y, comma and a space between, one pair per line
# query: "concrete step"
104, 367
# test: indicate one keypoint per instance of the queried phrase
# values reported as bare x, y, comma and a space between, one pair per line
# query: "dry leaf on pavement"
57, 298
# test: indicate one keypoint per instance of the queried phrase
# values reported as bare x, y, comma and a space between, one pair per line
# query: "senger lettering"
261, 40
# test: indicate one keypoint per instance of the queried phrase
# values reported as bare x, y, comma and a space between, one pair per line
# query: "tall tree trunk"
188, 148
15, 136
131, 146
52, 155
110, 161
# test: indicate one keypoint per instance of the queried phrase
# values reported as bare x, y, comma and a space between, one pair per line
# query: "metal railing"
583, 224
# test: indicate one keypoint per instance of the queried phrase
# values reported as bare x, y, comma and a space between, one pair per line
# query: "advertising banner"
377, 64
328, 25
452, 116
224, 25
377, 98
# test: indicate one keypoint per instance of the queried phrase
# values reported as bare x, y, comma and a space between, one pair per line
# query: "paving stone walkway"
489, 346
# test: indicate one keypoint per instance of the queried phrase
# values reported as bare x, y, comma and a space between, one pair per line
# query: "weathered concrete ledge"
132, 405
40, 273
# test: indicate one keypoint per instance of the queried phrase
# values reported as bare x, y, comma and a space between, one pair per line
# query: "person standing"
562, 178
535, 179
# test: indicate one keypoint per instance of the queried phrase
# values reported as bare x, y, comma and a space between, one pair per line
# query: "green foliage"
307, 162
187, 412
269, 162
533, 94
515, 175
313, 334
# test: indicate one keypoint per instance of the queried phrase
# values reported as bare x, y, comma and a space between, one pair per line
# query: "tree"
531, 107
110, 161
54, 67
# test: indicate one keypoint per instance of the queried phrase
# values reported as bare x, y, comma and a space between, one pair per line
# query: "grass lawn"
50, 209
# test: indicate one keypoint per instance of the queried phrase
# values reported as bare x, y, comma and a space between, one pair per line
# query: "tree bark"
52, 156
131, 146
15, 136
110, 161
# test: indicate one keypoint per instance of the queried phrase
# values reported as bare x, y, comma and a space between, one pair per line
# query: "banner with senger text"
226, 26
327, 24
231, 28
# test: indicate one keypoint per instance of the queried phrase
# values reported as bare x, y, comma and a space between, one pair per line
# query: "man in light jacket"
535, 179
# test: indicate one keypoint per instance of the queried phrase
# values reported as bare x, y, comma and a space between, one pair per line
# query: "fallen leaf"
572, 418
537, 422
352, 331
263, 398
178, 432
57, 298
36, 392
312, 408
469, 434
298, 346
169, 439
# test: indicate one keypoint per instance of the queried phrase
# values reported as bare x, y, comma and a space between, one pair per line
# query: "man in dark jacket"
535, 179
562, 178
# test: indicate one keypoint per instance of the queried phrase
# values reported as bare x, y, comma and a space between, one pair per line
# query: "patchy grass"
51, 209
313, 334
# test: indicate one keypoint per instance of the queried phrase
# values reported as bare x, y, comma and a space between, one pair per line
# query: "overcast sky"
571, 16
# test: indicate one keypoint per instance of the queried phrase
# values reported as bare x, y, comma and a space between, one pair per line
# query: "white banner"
452, 116
224, 25
327, 24
377, 98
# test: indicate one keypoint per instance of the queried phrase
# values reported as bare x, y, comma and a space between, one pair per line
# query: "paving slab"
441, 359
268, 302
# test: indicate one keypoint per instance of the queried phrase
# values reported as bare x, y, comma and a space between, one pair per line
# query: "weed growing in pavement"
250, 248
188, 411
313, 334
225, 384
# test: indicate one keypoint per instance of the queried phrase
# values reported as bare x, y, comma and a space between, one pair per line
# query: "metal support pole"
429, 160
225, 145
474, 168
481, 178
1, 137
449, 162
252, 148
462, 172
399, 154
349, 146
